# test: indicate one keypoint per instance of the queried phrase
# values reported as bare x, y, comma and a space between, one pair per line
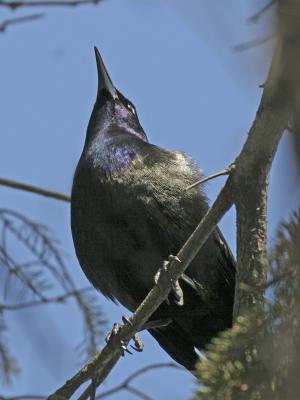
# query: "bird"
130, 210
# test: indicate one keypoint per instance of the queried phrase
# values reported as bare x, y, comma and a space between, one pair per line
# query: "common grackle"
130, 211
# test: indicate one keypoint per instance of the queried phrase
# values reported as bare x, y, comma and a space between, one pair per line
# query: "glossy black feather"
130, 210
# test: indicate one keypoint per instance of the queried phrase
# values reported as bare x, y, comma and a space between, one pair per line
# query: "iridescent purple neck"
113, 116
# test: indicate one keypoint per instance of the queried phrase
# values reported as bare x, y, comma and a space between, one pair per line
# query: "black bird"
130, 211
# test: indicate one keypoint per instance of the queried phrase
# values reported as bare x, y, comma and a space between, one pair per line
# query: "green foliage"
259, 358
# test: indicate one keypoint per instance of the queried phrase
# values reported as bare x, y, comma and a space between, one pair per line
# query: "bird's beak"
104, 81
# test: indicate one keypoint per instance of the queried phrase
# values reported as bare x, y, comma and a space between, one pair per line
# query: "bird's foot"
110, 338
176, 289
116, 328
138, 344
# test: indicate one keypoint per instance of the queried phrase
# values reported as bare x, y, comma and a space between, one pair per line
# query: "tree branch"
125, 385
56, 299
47, 3
12, 21
34, 189
253, 43
45, 268
257, 15
251, 176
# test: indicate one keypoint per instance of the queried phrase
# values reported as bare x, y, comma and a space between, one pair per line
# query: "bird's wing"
158, 180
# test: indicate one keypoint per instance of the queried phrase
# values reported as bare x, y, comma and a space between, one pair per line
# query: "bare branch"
17, 20
44, 270
34, 189
47, 3
253, 43
126, 384
56, 299
17, 270
138, 393
256, 16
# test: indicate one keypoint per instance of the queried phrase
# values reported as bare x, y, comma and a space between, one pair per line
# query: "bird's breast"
112, 237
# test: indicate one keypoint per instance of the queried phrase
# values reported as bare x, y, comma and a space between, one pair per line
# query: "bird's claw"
124, 348
178, 293
176, 289
173, 258
116, 328
109, 338
138, 344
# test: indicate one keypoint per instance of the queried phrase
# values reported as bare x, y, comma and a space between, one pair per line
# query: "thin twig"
210, 177
16, 270
125, 385
56, 299
134, 375
34, 189
35, 237
47, 3
138, 393
258, 14
17, 20
253, 43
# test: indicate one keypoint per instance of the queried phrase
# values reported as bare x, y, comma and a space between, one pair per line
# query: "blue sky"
175, 61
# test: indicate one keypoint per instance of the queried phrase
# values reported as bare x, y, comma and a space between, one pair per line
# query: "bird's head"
112, 112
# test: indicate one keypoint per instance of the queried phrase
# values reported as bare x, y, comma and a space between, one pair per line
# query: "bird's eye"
131, 108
